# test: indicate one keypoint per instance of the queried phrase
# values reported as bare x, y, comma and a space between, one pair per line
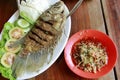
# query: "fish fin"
18, 66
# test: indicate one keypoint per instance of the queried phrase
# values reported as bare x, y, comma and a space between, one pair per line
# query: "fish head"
57, 8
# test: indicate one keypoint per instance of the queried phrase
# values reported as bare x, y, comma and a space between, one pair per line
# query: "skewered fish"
40, 41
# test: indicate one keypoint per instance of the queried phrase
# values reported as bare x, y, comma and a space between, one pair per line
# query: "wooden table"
102, 15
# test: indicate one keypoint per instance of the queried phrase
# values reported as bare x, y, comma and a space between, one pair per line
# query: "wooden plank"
7, 8
88, 16
31, 78
112, 17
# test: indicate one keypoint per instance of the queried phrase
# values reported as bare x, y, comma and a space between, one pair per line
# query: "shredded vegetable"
90, 56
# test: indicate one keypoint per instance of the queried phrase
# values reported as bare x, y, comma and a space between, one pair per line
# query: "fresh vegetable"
2, 51
27, 16
8, 26
6, 72
2, 42
10, 48
7, 59
29, 7
4, 69
5, 35
23, 23
90, 56
27, 29
16, 33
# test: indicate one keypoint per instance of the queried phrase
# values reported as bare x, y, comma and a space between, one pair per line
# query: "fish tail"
30, 63
18, 67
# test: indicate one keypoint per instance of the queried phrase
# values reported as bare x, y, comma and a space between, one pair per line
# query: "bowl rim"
73, 68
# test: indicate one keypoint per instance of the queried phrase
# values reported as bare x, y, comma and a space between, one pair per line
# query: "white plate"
59, 48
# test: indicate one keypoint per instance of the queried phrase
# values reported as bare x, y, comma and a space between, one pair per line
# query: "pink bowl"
101, 37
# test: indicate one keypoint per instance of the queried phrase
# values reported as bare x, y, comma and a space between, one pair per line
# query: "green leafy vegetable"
5, 35
6, 72
2, 43
2, 51
8, 26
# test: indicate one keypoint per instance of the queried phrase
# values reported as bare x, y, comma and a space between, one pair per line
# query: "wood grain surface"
102, 15
112, 19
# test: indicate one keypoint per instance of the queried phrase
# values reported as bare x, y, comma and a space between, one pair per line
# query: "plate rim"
16, 15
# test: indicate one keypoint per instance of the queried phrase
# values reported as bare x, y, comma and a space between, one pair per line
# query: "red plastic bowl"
101, 37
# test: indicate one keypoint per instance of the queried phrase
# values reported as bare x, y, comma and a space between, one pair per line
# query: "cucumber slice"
12, 49
16, 33
27, 17
26, 30
23, 23
7, 59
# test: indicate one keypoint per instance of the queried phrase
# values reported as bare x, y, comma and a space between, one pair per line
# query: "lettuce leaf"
6, 72
5, 32
2, 51
8, 26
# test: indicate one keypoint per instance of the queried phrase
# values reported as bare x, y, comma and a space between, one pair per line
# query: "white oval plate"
58, 49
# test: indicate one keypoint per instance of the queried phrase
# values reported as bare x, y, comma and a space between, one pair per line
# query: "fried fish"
40, 41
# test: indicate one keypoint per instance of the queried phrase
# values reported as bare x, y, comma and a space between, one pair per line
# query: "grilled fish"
40, 41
